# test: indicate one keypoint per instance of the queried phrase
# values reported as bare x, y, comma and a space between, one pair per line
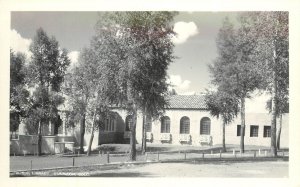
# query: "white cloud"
19, 44
73, 56
258, 103
188, 93
181, 86
184, 31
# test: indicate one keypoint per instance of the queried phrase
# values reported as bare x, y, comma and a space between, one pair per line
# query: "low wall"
27, 144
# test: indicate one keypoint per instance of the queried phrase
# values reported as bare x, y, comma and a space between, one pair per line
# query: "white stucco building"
186, 121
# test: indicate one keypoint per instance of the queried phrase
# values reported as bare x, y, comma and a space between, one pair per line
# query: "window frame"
185, 125
267, 131
205, 126
128, 122
253, 131
165, 124
238, 130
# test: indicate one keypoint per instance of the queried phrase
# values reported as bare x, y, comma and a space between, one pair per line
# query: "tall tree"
235, 70
46, 71
139, 45
272, 29
224, 105
18, 92
79, 90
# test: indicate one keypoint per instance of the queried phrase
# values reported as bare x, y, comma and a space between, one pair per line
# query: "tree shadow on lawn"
122, 174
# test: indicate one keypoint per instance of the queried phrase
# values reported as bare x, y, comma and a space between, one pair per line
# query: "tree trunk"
92, 134
143, 136
39, 142
242, 147
279, 132
133, 135
223, 139
82, 132
273, 120
88, 153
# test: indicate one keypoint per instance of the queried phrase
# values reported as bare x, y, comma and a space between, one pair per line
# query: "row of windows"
166, 123
254, 131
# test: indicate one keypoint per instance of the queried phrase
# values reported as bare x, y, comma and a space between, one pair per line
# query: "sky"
195, 43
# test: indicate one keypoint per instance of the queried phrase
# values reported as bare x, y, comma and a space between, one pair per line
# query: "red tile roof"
187, 102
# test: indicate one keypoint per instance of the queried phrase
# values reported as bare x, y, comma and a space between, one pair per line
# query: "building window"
184, 125
238, 130
253, 130
267, 131
14, 134
148, 124
205, 126
111, 125
165, 125
128, 123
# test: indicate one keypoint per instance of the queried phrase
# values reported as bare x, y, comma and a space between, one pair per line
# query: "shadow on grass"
121, 174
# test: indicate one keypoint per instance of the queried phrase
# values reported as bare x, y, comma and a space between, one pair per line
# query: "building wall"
195, 116
27, 144
260, 119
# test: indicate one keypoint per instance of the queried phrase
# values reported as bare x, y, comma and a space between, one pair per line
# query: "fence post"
282, 153
254, 154
184, 155
220, 154
259, 152
234, 154
146, 156
241, 152
157, 156
211, 152
266, 153
73, 164
78, 152
203, 155
30, 167
108, 157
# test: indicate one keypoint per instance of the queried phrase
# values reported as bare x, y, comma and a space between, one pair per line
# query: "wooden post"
184, 155
107, 157
99, 152
259, 153
211, 152
157, 156
266, 153
14, 154
203, 155
30, 167
78, 152
254, 154
240, 152
282, 153
220, 154
73, 164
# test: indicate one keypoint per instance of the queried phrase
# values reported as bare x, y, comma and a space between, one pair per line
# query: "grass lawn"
166, 152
